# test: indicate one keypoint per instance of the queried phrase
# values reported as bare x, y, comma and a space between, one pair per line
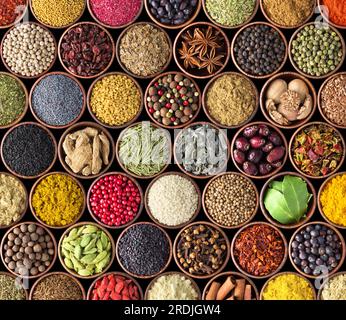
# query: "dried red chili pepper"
11, 10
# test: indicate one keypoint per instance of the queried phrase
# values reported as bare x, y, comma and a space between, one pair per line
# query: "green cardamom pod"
89, 229
88, 259
68, 263
84, 272
100, 257
85, 241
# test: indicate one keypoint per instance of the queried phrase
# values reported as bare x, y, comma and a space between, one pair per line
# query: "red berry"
186, 103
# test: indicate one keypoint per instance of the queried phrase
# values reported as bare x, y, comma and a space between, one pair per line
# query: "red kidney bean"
257, 142
265, 168
250, 168
263, 130
249, 132
242, 144
267, 147
275, 139
239, 156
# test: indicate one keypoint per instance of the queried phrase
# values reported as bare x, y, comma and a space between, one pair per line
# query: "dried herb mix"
144, 50
10, 288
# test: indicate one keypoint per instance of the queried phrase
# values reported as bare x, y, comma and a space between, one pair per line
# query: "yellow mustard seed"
58, 13
57, 200
115, 100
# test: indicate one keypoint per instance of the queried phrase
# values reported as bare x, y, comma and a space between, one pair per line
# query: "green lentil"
9, 289
12, 99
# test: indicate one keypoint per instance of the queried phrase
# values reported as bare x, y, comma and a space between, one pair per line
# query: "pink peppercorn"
115, 13
115, 200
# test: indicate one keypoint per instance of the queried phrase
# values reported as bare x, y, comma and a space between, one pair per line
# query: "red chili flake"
115, 13
11, 10
115, 200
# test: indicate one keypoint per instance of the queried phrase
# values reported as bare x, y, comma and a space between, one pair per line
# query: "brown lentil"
230, 199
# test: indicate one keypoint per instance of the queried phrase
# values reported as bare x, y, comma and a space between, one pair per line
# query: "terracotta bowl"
327, 74
118, 50
77, 225
38, 82
120, 274
234, 43
170, 26
80, 126
97, 220
15, 277
342, 244
193, 283
72, 27
172, 126
253, 214
146, 276
225, 275
287, 273
117, 147
33, 288
271, 127
146, 200
255, 9
287, 27
17, 74
288, 76
53, 27
291, 155
228, 254
178, 41
176, 158
319, 201
26, 201
52, 261
32, 194
113, 27
91, 88
319, 295
205, 107
325, 16
282, 262
19, 19
53, 142
21, 116
319, 99
311, 205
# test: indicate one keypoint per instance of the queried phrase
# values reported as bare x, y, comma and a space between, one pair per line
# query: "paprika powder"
336, 11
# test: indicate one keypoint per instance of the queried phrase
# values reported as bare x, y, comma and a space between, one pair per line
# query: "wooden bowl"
25, 109
283, 274
282, 36
288, 76
193, 283
20, 75
126, 124
52, 261
176, 159
113, 27
34, 287
117, 147
204, 100
291, 145
77, 225
227, 258
320, 290
311, 204
16, 278
182, 125
80, 126
253, 214
226, 274
343, 249
32, 194
97, 220
255, 9
74, 26
327, 74
146, 200
177, 41
137, 275
282, 262
319, 201
319, 99
120, 274
19, 19
325, 15
288, 27
26, 201
53, 143
272, 128
53, 27
33, 90
122, 34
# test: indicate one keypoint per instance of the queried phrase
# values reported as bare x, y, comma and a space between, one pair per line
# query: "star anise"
188, 56
187, 36
202, 40
211, 61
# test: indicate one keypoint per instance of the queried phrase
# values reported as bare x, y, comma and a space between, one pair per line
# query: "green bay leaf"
277, 185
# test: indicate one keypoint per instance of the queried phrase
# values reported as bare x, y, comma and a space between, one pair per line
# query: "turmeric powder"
57, 200
333, 201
